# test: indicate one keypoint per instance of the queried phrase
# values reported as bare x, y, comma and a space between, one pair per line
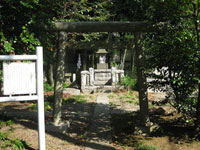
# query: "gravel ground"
79, 115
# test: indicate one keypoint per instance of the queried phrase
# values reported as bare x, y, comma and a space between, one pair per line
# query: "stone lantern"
102, 59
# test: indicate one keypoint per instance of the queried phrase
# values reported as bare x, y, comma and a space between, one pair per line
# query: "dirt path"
99, 133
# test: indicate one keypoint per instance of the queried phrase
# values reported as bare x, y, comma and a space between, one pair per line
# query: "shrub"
48, 87
130, 81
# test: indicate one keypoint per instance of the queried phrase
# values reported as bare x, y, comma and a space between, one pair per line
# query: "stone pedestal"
91, 71
113, 75
84, 79
104, 79
102, 76
102, 66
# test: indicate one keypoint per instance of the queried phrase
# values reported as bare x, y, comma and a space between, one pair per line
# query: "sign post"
40, 89
40, 93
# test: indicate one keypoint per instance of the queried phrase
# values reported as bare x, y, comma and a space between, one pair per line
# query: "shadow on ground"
80, 117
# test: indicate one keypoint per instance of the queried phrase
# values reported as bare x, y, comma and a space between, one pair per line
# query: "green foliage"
112, 103
33, 107
65, 85
18, 144
3, 136
110, 96
75, 99
6, 44
130, 101
178, 51
15, 143
128, 97
29, 38
48, 87
48, 106
146, 147
130, 81
6, 123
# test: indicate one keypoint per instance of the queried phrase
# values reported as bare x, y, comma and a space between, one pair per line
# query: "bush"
48, 87
130, 81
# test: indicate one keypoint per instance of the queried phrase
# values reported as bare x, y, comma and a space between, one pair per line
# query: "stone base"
102, 66
105, 88
102, 83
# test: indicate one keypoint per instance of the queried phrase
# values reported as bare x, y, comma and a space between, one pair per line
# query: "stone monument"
102, 59
101, 78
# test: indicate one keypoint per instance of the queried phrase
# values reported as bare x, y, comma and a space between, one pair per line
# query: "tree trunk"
133, 59
93, 59
123, 60
59, 78
142, 87
50, 78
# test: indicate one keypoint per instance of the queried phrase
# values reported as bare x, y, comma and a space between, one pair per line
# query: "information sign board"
19, 78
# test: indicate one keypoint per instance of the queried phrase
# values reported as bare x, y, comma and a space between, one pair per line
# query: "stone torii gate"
137, 28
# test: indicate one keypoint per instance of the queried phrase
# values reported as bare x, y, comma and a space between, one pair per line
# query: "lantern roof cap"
101, 51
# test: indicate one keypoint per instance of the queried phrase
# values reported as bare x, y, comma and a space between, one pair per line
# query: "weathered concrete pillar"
117, 76
87, 79
121, 75
113, 69
73, 77
84, 79
91, 71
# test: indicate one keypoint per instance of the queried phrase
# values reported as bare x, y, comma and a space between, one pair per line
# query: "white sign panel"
19, 78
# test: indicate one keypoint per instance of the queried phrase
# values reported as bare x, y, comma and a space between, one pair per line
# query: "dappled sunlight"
82, 129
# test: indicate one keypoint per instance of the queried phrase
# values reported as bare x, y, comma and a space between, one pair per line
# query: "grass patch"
110, 96
5, 120
5, 142
129, 97
146, 147
130, 101
112, 103
48, 106
13, 143
75, 99
137, 102
151, 105
4, 123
